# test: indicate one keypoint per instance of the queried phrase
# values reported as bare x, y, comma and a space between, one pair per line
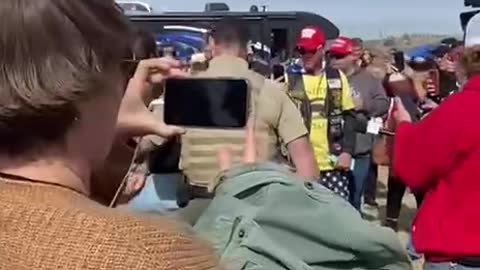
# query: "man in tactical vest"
324, 97
275, 115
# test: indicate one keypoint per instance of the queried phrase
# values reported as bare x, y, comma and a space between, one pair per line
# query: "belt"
197, 192
187, 192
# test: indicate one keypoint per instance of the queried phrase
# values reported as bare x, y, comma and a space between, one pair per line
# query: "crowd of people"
92, 178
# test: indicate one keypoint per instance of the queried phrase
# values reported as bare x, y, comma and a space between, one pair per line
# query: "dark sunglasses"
338, 56
303, 51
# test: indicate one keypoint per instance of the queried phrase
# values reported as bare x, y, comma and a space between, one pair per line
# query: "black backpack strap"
333, 108
295, 82
296, 90
333, 102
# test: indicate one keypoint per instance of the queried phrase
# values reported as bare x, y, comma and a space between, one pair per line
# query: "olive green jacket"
263, 217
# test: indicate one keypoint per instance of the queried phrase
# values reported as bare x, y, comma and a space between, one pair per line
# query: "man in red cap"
324, 98
344, 54
370, 101
310, 46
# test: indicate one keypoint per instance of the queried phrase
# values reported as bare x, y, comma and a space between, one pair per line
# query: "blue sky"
365, 18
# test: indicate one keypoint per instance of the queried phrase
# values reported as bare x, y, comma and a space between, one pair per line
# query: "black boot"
391, 223
371, 202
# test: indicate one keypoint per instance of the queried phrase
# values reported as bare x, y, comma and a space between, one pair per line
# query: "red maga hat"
311, 38
342, 46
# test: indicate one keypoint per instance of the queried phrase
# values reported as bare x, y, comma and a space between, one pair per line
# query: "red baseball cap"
311, 38
342, 46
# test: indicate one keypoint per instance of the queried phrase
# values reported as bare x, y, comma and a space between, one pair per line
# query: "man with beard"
323, 96
275, 116
370, 101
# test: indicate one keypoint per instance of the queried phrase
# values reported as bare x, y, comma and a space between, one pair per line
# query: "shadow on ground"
407, 212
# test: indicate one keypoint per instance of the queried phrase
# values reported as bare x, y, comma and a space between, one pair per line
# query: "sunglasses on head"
303, 51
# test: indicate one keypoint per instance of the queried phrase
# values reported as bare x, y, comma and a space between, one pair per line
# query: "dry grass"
403, 44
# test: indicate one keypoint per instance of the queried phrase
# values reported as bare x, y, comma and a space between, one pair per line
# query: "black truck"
275, 32
466, 16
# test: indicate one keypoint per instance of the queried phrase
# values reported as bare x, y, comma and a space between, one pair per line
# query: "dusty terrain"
406, 216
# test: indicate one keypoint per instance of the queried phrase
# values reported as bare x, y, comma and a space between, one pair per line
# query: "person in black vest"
401, 86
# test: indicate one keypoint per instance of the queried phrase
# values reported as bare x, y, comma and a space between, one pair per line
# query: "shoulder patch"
334, 83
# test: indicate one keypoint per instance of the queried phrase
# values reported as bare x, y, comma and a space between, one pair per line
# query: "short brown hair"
53, 54
231, 31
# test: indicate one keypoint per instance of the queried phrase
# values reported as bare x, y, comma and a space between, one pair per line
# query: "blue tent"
185, 43
184, 38
421, 54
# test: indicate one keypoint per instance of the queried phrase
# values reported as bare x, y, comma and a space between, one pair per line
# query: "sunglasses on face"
338, 56
303, 51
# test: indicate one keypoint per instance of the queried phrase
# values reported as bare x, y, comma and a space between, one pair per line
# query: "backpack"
263, 217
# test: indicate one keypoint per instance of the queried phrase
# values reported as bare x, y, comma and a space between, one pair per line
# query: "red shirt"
441, 155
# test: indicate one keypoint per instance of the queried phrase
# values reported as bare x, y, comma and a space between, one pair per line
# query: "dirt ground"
406, 215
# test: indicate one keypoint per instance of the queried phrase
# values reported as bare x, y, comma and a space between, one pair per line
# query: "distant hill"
407, 41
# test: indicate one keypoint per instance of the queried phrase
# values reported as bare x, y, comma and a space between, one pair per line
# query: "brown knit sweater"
50, 227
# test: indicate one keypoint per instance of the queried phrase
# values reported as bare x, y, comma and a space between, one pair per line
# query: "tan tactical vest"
200, 145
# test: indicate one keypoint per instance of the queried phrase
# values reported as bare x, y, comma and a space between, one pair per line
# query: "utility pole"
380, 33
